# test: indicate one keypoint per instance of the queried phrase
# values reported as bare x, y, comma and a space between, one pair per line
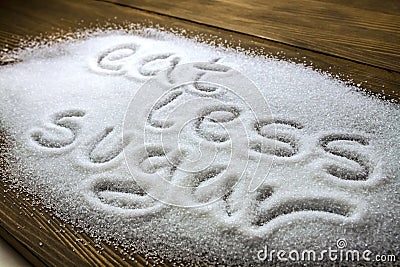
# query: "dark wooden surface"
354, 31
357, 41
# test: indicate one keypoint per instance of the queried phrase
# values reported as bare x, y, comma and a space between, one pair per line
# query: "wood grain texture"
36, 18
366, 32
31, 228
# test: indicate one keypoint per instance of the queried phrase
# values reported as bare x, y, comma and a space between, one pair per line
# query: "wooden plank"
43, 238
34, 18
346, 30
388, 6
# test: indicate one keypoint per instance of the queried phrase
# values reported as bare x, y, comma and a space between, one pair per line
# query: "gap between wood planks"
36, 18
391, 90
346, 31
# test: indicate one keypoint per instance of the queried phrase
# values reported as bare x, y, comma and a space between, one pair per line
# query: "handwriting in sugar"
125, 60
343, 155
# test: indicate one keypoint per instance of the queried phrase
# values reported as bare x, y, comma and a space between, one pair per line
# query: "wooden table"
359, 42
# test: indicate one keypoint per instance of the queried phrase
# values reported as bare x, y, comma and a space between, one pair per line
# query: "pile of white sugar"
176, 148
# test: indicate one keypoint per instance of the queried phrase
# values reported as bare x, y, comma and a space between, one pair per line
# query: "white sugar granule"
167, 146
